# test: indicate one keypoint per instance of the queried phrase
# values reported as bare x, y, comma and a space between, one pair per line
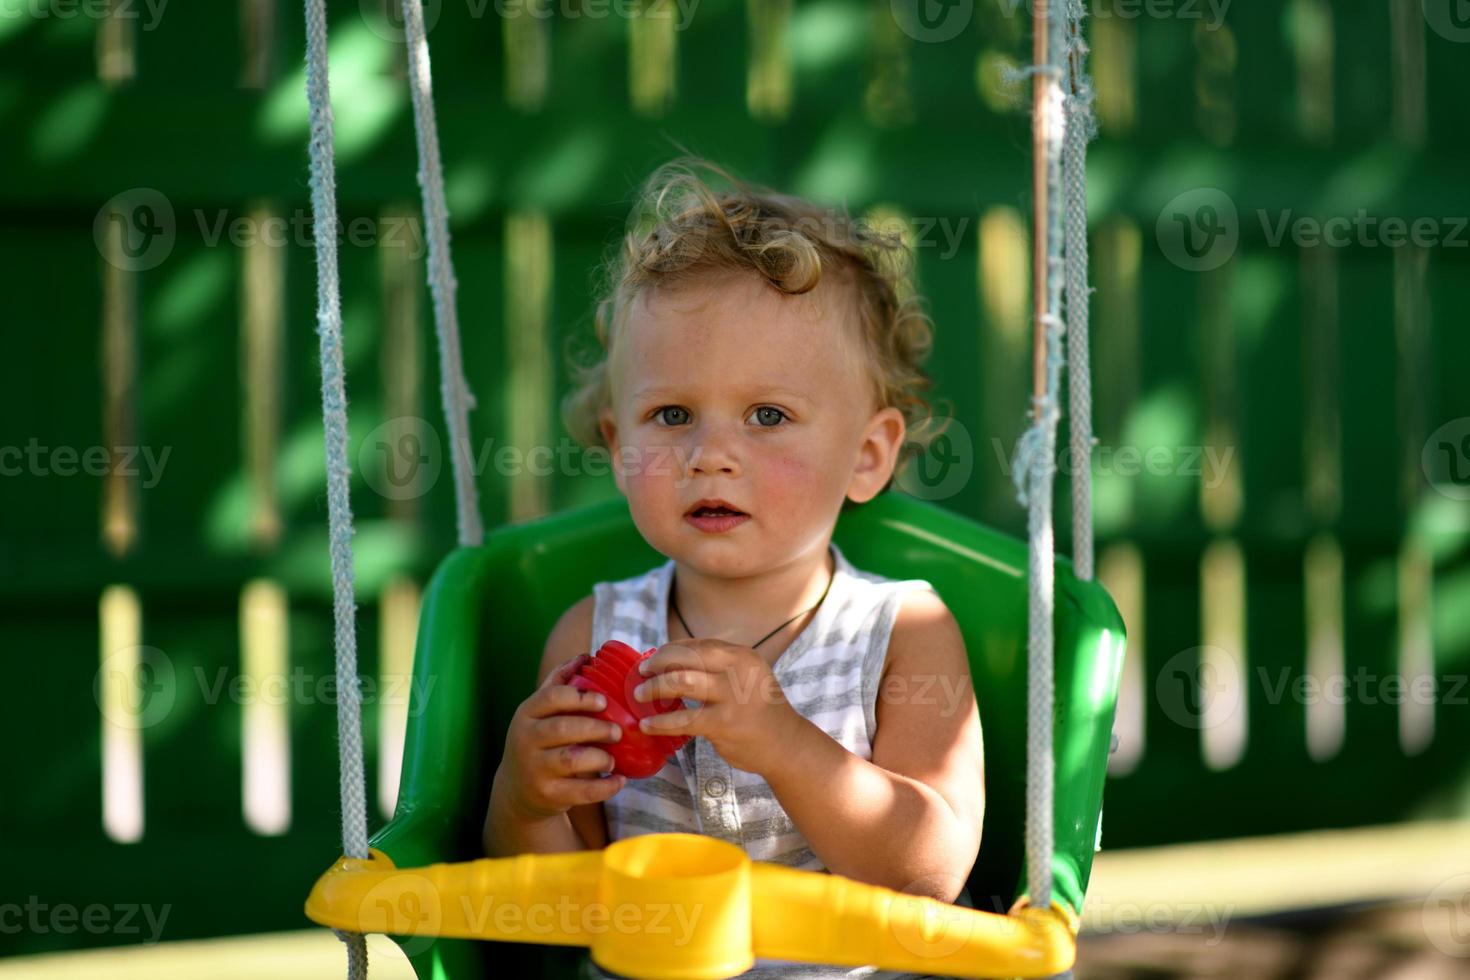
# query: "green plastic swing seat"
488, 610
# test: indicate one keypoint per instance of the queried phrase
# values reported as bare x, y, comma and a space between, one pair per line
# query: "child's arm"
910, 819
546, 796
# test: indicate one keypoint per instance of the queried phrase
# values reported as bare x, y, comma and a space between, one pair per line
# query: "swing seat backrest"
488, 610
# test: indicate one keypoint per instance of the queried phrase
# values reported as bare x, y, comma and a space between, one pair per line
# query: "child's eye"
672, 415
767, 417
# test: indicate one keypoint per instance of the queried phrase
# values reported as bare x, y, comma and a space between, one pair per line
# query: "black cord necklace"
675, 604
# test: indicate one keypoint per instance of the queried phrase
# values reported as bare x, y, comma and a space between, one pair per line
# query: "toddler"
760, 365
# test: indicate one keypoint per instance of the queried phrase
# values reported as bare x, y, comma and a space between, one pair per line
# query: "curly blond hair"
682, 230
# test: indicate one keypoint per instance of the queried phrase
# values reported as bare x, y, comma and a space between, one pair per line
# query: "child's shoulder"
647, 579
878, 587
926, 635
899, 621
615, 590
921, 618
628, 609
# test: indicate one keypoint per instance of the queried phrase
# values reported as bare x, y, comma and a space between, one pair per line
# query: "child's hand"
547, 769
742, 710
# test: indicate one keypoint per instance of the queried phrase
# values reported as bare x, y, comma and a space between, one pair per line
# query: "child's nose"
712, 452
706, 460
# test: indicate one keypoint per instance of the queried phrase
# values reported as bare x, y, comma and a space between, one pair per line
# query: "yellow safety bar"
688, 907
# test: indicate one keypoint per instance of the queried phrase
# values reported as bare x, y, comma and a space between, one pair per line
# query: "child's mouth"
715, 518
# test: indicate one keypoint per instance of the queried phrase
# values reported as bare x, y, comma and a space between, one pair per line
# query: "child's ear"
608, 426
877, 455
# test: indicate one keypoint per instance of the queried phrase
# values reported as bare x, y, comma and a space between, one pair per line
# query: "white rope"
1080, 128
1034, 466
334, 424
453, 389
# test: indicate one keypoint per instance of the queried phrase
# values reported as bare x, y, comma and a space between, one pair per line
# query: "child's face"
737, 392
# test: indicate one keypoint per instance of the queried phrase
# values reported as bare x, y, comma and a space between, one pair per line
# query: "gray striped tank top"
830, 674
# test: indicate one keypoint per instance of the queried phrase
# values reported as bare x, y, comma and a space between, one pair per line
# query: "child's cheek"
647, 466
644, 475
791, 477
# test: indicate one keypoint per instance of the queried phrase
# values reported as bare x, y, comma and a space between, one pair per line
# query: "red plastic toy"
613, 672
